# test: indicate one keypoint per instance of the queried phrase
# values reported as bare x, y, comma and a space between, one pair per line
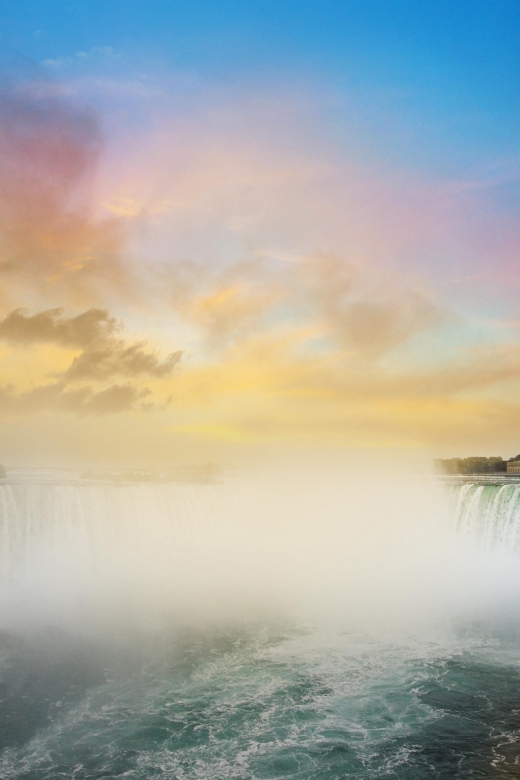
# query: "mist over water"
300, 625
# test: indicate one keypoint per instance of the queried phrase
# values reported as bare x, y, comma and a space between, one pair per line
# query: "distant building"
513, 466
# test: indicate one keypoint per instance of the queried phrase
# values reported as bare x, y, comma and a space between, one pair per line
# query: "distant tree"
2, 472
472, 465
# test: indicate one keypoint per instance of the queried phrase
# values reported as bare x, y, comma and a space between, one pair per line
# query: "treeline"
473, 465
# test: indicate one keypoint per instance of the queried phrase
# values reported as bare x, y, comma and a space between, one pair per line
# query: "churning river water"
319, 632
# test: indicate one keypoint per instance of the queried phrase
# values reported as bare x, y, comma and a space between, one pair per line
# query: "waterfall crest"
74, 550
70, 547
95, 520
490, 512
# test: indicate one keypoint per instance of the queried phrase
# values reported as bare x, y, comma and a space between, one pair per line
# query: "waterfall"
224, 630
97, 519
490, 512
86, 552
68, 546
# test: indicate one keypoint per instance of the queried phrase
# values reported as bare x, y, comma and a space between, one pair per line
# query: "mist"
344, 550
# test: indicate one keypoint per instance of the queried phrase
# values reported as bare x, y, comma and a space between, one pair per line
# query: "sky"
232, 230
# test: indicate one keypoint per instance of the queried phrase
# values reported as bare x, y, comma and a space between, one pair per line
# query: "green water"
260, 702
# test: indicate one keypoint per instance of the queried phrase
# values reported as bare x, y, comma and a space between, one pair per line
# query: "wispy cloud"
56, 397
301, 276
102, 357
49, 151
83, 330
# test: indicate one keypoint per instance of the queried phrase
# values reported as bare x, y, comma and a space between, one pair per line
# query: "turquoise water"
102, 674
260, 703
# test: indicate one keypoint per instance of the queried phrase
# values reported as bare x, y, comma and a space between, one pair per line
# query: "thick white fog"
343, 549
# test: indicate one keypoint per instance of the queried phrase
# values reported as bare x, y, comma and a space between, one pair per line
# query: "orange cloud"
49, 151
102, 357
294, 272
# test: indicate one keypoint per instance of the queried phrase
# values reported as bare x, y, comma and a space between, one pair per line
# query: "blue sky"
455, 63
310, 201
446, 75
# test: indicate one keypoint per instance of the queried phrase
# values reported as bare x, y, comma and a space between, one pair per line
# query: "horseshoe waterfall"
318, 628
